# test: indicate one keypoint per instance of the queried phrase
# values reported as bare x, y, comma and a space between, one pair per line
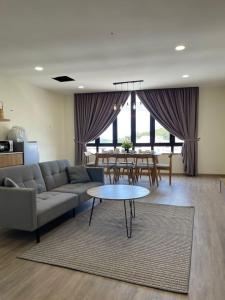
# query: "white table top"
118, 192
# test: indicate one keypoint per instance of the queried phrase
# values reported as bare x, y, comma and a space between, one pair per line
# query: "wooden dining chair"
87, 158
123, 166
165, 167
145, 164
102, 160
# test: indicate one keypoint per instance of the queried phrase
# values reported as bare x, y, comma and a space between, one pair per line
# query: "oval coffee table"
119, 192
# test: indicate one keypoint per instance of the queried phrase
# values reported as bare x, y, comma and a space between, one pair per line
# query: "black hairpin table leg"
128, 228
92, 208
133, 204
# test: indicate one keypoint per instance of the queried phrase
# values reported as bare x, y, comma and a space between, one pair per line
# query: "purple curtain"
93, 113
177, 110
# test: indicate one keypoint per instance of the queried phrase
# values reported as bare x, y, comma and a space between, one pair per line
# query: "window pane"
161, 134
92, 142
162, 149
178, 140
105, 149
142, 123
143, 149
124, 122
177, 149
107, 135
91, 149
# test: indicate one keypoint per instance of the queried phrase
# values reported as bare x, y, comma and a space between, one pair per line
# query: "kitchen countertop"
4, 153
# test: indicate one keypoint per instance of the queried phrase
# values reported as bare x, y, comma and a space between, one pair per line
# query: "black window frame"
97, 144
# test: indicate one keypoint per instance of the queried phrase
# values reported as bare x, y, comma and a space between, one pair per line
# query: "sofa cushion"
54, 173
78, 174
51, 205
28, 176
10, 183
78, 188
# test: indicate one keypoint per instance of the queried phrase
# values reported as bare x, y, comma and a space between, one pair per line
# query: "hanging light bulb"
134, 106
114, 107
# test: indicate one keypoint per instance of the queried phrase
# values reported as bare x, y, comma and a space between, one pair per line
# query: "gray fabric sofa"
44, 194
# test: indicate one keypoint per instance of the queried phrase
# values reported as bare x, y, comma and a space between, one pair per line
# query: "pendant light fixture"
2, 118
121, 83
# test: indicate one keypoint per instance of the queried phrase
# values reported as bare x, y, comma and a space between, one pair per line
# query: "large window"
142, 123
124, 122
136, 123
107, 135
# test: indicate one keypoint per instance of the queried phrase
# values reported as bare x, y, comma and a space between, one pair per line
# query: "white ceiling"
73, 37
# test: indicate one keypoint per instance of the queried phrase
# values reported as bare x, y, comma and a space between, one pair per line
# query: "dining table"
133, 155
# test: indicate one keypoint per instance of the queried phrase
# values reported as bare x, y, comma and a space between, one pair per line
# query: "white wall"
212, 131
69, 146
41, 113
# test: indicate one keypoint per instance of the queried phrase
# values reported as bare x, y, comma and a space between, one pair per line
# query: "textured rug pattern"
158, 254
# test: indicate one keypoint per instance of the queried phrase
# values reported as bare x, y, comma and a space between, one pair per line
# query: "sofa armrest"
96, 173
18, 208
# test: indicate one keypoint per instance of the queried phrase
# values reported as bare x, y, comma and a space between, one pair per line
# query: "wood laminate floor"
25, 280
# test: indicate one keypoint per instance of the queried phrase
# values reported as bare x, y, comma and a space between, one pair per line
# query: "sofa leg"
74, 212
37, 235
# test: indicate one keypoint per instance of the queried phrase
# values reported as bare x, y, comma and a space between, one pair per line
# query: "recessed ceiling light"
180, 48
185, 76
80, 87
39, 68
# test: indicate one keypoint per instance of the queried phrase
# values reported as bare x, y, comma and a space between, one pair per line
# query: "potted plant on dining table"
126, 145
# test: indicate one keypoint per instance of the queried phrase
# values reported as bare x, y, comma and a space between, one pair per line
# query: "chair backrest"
87, 156
126, 158
112, 158
144, 158
131, 158
170, 160
120, 157
101, 158
170, 156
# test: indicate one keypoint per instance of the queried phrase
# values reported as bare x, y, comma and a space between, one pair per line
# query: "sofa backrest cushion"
28, 176
78, 174
54, 173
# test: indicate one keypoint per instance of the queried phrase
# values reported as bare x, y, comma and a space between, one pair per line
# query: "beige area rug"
158, 254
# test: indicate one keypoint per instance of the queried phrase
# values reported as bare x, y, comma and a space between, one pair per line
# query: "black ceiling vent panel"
63, 78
